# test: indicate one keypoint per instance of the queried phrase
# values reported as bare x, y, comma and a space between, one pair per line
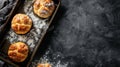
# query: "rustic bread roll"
21, 23
18, 52
44, 65
43, 8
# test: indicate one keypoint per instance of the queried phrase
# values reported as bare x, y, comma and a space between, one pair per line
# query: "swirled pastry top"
18, 52
21, 23
43, 8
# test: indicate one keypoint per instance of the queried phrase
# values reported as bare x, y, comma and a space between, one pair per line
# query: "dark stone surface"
86, 34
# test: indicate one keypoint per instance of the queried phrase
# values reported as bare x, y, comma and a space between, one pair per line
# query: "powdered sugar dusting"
37, 30
46, 59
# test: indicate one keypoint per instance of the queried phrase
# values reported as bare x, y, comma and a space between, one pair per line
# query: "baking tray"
32, 38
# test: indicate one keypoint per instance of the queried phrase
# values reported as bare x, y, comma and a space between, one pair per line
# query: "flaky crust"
18, 52
44, 65
43, 8
21, 23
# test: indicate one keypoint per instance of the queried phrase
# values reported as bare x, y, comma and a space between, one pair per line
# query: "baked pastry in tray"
43, 65
18, 52
43, 8
21, 23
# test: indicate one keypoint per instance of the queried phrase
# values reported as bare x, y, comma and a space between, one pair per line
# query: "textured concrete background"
86, 34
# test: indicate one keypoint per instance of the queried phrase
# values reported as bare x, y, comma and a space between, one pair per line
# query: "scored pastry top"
18, 52
21, 23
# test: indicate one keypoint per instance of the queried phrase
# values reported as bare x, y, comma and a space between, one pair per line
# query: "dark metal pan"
32, 38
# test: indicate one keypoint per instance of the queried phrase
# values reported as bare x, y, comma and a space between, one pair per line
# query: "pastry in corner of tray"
21, 23
43, 8
44, 65
18, 51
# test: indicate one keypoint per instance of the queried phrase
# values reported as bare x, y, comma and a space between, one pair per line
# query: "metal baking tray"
33, 38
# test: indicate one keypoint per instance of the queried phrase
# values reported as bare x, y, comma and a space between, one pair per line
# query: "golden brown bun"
18, 52
44, 65
43, 8
21, 23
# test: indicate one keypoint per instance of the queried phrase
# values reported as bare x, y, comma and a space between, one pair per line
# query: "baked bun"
21, 23
44, 65
43, 8
18, 52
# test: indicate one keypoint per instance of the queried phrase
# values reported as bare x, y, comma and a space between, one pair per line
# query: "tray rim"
6, 23
36, 47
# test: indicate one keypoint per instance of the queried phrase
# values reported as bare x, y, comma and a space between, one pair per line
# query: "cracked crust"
43, 8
